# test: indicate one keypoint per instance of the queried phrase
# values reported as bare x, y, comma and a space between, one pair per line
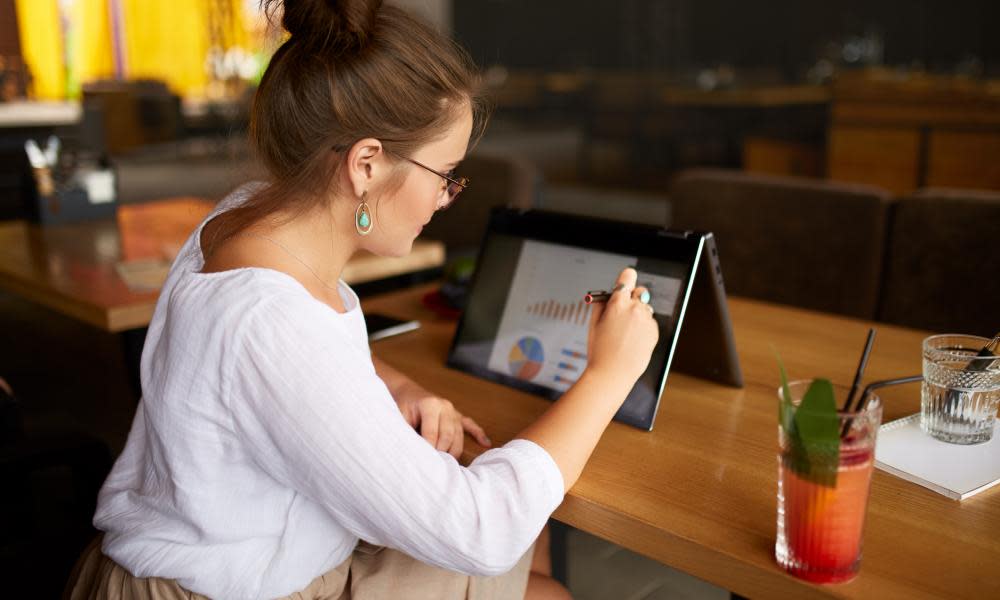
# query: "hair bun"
346, 24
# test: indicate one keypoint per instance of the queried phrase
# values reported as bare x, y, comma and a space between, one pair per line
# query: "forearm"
571, 428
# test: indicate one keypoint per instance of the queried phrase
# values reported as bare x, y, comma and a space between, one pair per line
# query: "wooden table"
75, 269
29, 113
698, 492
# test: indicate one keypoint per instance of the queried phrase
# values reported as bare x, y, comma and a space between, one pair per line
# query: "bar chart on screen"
542, 336
577, 313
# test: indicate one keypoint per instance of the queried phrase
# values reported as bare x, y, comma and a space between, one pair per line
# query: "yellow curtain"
42, 46
168, 40
91, 44
171, 39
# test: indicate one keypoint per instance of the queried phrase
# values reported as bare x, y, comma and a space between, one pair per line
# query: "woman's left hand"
437, 420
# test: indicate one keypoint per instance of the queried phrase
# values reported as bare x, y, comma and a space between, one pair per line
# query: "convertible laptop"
525, 323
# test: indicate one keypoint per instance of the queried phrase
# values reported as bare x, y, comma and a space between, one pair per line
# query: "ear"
365, 164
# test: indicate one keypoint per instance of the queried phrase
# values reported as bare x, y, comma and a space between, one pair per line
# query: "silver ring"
651, 311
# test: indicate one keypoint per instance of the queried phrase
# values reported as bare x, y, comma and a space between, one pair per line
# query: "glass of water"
960, 390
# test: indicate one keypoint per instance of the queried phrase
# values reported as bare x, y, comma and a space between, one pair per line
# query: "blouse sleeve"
306, 400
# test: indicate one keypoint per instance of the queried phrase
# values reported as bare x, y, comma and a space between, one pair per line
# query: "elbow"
499, 565
492, 571
499, 555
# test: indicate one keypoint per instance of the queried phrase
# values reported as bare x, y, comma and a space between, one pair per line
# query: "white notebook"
954, 470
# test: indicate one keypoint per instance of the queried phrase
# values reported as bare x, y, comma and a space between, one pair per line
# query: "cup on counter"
961, 390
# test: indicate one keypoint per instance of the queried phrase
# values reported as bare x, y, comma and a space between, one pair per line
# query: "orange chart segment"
526, 358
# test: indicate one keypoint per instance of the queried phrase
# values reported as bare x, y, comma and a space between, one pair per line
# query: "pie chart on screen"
526, 358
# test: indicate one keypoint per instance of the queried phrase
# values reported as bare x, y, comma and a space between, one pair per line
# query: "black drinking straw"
879, 384
869, 389
985, 352
954, 396
861, 370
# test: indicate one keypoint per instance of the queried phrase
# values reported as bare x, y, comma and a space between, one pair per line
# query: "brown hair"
350, 70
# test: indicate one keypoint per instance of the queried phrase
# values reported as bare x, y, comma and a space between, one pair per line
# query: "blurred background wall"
786, 35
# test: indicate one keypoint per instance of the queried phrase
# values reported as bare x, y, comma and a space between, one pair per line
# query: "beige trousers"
370, 573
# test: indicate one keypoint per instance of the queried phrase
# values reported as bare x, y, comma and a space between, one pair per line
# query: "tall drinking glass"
820, 520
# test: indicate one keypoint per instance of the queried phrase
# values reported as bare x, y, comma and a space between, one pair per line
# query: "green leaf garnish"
818, 429
813, 430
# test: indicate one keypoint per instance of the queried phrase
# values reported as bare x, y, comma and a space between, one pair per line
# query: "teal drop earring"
363, 216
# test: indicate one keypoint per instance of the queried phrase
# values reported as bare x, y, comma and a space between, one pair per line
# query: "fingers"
626, 289
430, 416
477, 432
596, 310
624, 285
455, 438
641, 294
627, 277
446, 428
441, 426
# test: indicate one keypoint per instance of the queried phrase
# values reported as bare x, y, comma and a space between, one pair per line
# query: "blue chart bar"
574, 354
566, 380
568, 366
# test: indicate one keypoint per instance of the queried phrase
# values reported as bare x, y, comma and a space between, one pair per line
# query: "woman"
269, 442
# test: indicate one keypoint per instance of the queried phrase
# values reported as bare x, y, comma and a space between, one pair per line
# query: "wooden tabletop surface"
698, 492
76, 269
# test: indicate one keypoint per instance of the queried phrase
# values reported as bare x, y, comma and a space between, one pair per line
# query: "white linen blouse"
265, 446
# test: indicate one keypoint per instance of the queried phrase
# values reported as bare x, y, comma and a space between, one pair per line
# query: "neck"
323, 237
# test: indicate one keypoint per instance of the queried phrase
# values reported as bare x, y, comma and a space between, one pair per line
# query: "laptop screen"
526, 324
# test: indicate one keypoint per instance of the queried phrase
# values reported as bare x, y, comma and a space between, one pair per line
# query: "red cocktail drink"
821, 519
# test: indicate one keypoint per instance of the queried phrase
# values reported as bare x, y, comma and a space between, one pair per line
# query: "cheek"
422, 195
414, 201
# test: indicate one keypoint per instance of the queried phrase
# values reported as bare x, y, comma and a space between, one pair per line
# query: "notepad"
953, 470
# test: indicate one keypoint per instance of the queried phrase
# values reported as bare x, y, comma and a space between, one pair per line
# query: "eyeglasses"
454, 186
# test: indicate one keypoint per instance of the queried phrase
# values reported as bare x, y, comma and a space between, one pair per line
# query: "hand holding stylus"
623, 333
622, 330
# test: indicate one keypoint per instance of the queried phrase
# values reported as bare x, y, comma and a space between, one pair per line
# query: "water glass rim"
951, 354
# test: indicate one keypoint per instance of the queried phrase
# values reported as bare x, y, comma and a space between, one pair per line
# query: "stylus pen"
604, 295
596, 296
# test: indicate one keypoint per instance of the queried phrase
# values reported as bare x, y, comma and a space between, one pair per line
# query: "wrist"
406, 388
611, 381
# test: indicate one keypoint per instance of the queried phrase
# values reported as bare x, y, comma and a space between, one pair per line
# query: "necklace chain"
290, 253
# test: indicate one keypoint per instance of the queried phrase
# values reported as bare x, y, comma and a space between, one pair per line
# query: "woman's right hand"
623, 332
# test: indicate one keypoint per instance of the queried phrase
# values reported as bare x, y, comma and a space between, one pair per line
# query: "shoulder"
274, 313
235, 299
258, 320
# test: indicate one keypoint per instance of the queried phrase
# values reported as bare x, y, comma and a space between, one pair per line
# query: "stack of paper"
954, 470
